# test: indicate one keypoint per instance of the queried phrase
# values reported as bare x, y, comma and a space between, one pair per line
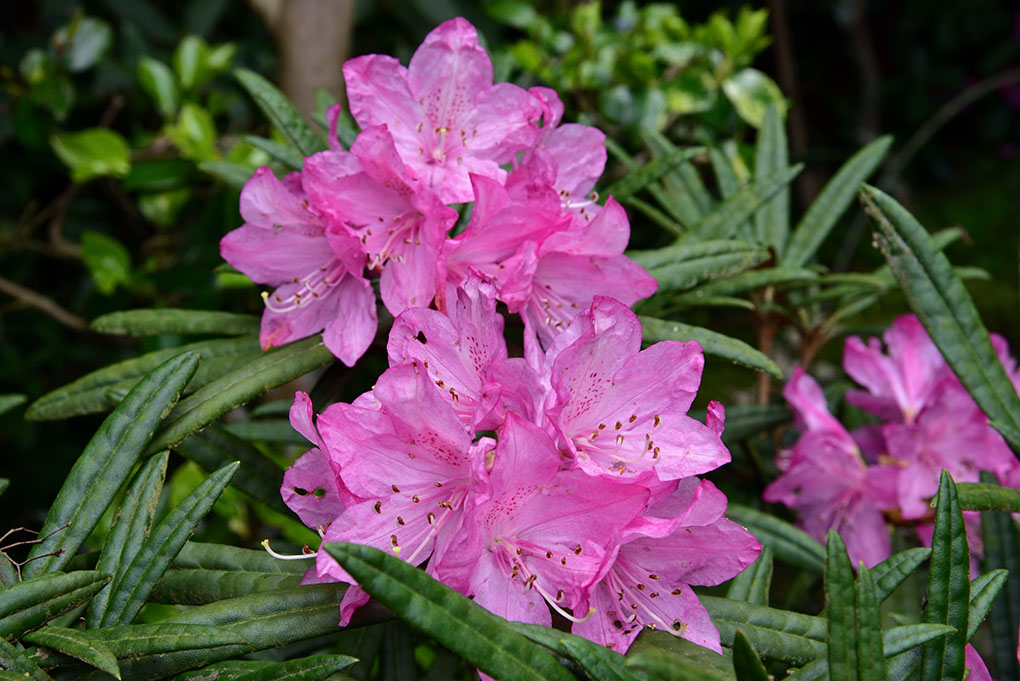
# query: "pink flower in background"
446, 116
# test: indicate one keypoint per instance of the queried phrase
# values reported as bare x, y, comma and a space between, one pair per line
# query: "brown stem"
41, 302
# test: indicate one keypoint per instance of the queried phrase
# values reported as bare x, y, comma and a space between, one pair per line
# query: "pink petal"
275, 256
353, 326
378, 94
310, 489
301, 416
580, 154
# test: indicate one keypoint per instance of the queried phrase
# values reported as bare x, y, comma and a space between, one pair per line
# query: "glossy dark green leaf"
275, 430
311, 668
128, 594
481, 638
258, 476
153, 322
780, 634
134, 640
790, 544
682, 252
1002, 551
839, 604
984, 589
725, 220
980, 496
288, 156
771, 157
19, 664
35, 601
712, 343
752, 585
749, 281
720, 666
870, 652
599, 662
77, 644
643, 176
668, 667
943, 305
129, 530
278, 109
88, 393
901, 652
892, 571
107, 461
746, 663
274, 368
948, 587
823, 213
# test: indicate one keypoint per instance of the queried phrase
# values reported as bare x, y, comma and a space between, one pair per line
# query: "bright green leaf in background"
95, 152
751, 92
107, 260
159, 83
83, 42
194, 133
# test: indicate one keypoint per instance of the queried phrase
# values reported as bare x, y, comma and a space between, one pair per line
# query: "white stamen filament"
311, 290
282, 556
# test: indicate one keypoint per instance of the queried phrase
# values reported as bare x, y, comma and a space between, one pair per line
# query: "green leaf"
686, 218
188, 61
78, 645
91, 393
746, 663
1002, 551
712, 343
155, 322
948, 587
748, 281
10, 401
725, 221
943, 305
129, 529
311, 668
779, 634
107, 462
685, 191
892, 571
107, 259
94, 152
667, 667
789, 543
128, 594
280, 112
752, 585
259, 476
231, 174
748, 420
643, 176
160, 176
33, 602
194, 133
481, 638
870, 652
135, 640
83, 42
21, 666
983, 591
159, 83
683, 265
839, 604
276, 430
273, 368
979, 496
288, 156
832, 202
772, 220
752, 92
728, 183
598, 661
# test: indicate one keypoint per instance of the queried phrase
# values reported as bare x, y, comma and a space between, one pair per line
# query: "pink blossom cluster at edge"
434, 134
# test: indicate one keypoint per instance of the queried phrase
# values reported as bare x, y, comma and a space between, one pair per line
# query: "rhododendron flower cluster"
563, 480
435, 133
855, 482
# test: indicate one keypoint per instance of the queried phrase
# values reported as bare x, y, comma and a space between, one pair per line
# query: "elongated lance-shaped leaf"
598, 661
154, 322
258, 476
133, 640
746, 663
681, 209
396, 658
725, 177
645, 175
129, 530
7, 402
690, 273
275, 430
981, 496
234, 175
712, 343
823, 213
771, 157
790, 544
780, 634
983, 591
278, 109
128, 594
665, 667
1002, 550
725, 220
943, 305
686, 651
948, 587
35, 601
17, 661
892, 571
88, 394
274, 368
655, 215
106, 463
870, 653
840, 604
311, 668
481, 638
684, 180
902, 653
77, 644
8, 575
682, 252
748, 281
288, 156
752, 585
747, 420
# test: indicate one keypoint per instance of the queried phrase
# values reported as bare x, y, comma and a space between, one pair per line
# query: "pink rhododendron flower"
446, 116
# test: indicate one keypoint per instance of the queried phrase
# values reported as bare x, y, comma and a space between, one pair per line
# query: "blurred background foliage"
126, 139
